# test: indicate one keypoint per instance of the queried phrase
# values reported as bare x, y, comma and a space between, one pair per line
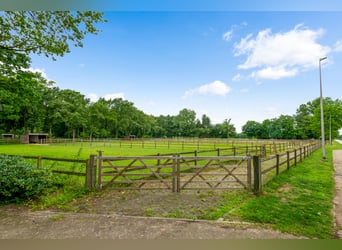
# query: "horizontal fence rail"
85, 168
271, 146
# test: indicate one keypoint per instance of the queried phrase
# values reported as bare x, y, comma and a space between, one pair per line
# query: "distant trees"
305, 124
30, 103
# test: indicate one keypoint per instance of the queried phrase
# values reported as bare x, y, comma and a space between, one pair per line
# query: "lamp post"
322, 113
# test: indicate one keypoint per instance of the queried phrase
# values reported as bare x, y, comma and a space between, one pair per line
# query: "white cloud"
41, 71
274, 73
338, 46
236, 78
94, 97
283, 54
228, 35
214, 88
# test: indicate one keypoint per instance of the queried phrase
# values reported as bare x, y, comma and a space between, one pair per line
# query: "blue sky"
238, 65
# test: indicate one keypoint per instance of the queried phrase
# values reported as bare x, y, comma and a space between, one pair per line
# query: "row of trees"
305, 124
29, 103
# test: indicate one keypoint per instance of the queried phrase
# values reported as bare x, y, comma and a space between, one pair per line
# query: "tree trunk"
73, 134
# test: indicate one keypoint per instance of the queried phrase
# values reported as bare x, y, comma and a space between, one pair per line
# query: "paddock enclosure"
211, 165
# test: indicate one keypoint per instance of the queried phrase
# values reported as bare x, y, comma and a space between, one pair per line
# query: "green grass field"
82, 150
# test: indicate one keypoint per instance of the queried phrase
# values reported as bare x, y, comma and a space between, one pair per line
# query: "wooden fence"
87, 169
271, 146
179, 172
190, 170
265, 169
9, 141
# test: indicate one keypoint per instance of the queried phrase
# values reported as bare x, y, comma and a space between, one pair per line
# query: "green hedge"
20, 180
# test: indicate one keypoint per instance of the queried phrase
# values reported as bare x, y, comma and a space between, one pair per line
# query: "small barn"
35, 138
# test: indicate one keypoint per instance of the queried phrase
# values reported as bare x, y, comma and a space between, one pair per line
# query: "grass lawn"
299, 201
82, 150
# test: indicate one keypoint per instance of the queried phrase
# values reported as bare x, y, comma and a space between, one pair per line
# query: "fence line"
272, 146
263, 167
181, 171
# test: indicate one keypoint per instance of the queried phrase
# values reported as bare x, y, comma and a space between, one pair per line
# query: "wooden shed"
37, 138
7, 136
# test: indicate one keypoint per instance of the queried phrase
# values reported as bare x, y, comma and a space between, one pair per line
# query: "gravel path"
337, 157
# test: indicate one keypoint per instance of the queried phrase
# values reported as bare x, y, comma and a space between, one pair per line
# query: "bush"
20, 180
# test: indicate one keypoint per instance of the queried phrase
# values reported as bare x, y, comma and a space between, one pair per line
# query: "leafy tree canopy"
46, 32
42, 32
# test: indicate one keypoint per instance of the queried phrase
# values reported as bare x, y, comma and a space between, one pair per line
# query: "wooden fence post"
288, 160
263, 151
178, 173
174, 173
277, 163
39, 162
91, 172
249, 173
100, 170
195, 153
257, 175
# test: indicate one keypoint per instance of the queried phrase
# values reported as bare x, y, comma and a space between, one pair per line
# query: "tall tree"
21, 97
252, 129
68, 109
186, 122
308, 120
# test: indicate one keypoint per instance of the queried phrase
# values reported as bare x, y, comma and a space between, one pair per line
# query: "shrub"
20, 180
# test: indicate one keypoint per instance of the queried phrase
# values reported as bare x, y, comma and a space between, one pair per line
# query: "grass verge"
299, 201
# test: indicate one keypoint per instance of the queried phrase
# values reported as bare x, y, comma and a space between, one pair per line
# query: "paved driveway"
25, 224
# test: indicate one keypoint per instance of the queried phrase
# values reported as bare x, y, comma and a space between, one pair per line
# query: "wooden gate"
175, 172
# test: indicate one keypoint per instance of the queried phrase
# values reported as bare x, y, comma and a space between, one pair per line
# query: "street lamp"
322, 114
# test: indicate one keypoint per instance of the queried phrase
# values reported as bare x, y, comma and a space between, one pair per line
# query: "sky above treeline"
227, 63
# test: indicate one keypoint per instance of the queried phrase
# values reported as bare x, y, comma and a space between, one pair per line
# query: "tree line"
30, 103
